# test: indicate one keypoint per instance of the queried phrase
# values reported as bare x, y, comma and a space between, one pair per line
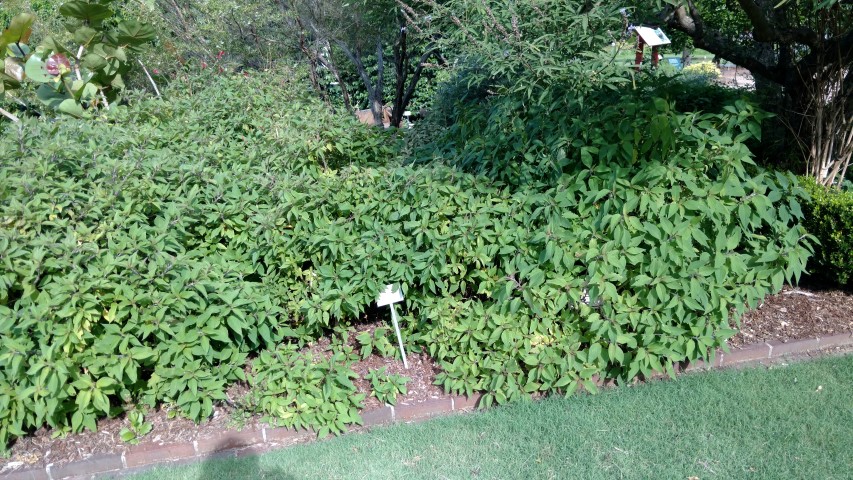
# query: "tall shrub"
643, 233
829, 217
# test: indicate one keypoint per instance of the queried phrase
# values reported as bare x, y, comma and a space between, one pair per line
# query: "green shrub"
828, 215
130, 266
702, 71
658, 225
152, 262
73, 84
699, 97
138, 427
377, 343
303, 391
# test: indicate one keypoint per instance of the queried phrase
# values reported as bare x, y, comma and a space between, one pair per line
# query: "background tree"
252, 33
364, 32
805, 48
524, 76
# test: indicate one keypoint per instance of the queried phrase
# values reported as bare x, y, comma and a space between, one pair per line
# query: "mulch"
797, 313
794, 313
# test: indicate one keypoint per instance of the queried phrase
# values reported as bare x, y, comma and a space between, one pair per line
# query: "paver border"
251, 441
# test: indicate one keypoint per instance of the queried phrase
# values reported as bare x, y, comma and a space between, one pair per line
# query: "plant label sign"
391, 295
652, 36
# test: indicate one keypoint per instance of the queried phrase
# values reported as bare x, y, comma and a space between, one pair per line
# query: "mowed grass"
793, 421
698, 55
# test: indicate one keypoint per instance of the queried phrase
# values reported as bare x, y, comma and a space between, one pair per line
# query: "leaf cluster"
657, 231
87, 73
376, 343
131, 271
137, 427
304, 391
523, 48
385, 387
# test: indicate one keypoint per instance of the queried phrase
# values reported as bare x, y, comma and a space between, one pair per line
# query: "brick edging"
760, 352
247, 442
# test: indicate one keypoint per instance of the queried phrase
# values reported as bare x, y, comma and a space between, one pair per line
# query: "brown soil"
792, 314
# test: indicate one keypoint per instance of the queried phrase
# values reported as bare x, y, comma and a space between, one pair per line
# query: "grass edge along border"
248, 442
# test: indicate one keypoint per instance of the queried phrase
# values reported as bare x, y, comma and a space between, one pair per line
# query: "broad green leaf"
131, 32
36, 70
19, 30
80, 9
85, 35
615, 353
71, 107
94, 62
49, 96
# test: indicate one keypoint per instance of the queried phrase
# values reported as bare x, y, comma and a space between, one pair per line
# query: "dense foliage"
829, 217
561, 220
699, 96
130, 267
177, 247
85, 73
804, 48
640, 228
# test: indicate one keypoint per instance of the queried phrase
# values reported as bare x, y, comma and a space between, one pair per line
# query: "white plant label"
391, 295
652, 36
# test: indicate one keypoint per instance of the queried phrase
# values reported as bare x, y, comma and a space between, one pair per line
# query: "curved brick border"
248, 442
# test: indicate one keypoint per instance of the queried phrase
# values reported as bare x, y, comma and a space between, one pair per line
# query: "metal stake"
399, 336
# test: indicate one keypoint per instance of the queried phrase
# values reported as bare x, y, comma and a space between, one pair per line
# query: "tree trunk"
809, 106
11, 116
374, 91
312, 56
377, 103
401, 61
330, 64
413, 83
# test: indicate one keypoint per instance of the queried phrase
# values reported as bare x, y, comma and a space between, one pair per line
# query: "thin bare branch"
11, 116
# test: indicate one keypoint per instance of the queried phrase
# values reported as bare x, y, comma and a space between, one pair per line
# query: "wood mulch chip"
797, 313
792, 314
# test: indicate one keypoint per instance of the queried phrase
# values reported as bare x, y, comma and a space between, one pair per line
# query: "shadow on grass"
224, 466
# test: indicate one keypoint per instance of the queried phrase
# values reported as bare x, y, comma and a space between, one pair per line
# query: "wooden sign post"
653, 37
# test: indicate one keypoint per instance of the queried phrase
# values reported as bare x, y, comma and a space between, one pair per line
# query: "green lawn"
699, 55
755, 423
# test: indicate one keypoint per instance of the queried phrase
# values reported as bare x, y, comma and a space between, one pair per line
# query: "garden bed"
795, 313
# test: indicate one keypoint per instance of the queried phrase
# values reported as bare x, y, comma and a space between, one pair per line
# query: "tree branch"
714, 42
156, 90
763, 31
401, 59
11, 116
842, 46
355, 58
374, 93
328, 63
416, 75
